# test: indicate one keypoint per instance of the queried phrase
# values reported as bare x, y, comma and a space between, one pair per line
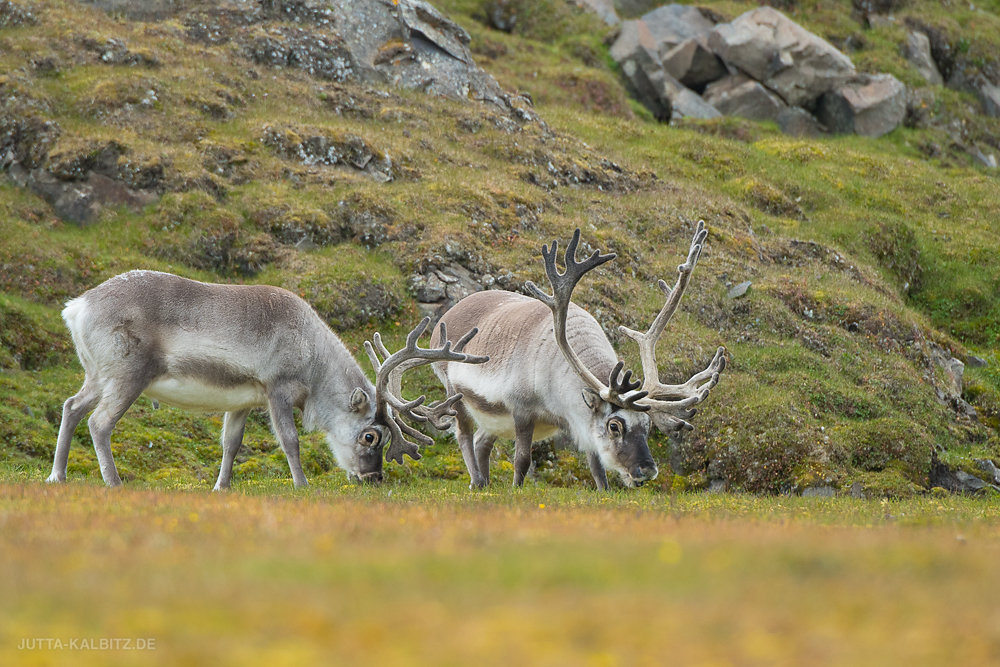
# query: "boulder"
80, 201
739, 95
918, 51
870, 105
988, 94
788, 59
635, 51
797, 122
684, 102
672, 24
693, 64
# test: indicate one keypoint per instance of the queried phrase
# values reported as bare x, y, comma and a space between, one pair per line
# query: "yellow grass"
440, 576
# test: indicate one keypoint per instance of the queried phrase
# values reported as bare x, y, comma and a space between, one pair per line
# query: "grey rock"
870, 105
739, 290
672, 24
441, 288
918, 51
954, 480
684, 102
717, 486
796, 64
739, 95
798, 122
79, 201
988, 94
819, 492
990, 469
972, 361
693, 64
988, 160
635, 50
951, 380
858, 490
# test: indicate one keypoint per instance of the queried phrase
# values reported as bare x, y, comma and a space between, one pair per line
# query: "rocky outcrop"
408, 44
761, 66
793, 62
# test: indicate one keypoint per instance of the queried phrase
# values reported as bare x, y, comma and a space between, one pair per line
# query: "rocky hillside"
383, 160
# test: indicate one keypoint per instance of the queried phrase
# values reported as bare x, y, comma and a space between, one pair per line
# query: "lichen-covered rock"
347, 150
870, 105
796, 64
12, 14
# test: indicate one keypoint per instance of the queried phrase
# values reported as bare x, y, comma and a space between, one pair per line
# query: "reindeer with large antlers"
547, 356
231, 348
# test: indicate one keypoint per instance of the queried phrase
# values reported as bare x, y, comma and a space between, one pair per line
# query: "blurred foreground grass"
426, 572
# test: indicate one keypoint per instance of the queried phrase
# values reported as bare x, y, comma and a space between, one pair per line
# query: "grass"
862, 253
429, 573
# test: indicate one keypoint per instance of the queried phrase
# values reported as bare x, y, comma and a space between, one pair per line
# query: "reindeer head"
623, 410
380, 418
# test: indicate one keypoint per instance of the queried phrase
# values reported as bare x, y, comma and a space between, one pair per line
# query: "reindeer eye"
615, 427
370, 438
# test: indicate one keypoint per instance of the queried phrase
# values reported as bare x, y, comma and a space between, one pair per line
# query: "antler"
562, 289
391, 408
675, 399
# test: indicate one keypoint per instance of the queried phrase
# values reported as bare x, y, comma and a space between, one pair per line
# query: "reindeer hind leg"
74, 410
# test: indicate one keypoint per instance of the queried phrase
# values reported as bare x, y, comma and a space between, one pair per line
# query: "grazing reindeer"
544, 369
232, 348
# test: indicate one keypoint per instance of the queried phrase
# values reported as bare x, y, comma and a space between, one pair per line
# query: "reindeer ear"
592, 399
359, 400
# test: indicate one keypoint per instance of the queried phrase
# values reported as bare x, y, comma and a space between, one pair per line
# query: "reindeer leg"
524, 430
232, 437
464, 429
114, 402
483, 445
283, 421
74, 409
597, 470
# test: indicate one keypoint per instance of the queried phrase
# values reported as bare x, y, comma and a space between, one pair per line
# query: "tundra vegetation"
873, 265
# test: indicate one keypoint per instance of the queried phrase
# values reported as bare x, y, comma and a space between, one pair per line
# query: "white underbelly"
502, 426
188, 393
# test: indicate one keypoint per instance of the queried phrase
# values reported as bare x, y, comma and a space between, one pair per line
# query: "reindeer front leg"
524, 430
283, 420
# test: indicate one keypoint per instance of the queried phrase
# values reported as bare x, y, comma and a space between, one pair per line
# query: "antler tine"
647, 341
390, 407
622, 388
562, 290
400, 445
676, 399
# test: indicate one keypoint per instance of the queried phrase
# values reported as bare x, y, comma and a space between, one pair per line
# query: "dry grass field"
431, 574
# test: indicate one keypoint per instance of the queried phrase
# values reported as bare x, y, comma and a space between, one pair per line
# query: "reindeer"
544, 369
232, 348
